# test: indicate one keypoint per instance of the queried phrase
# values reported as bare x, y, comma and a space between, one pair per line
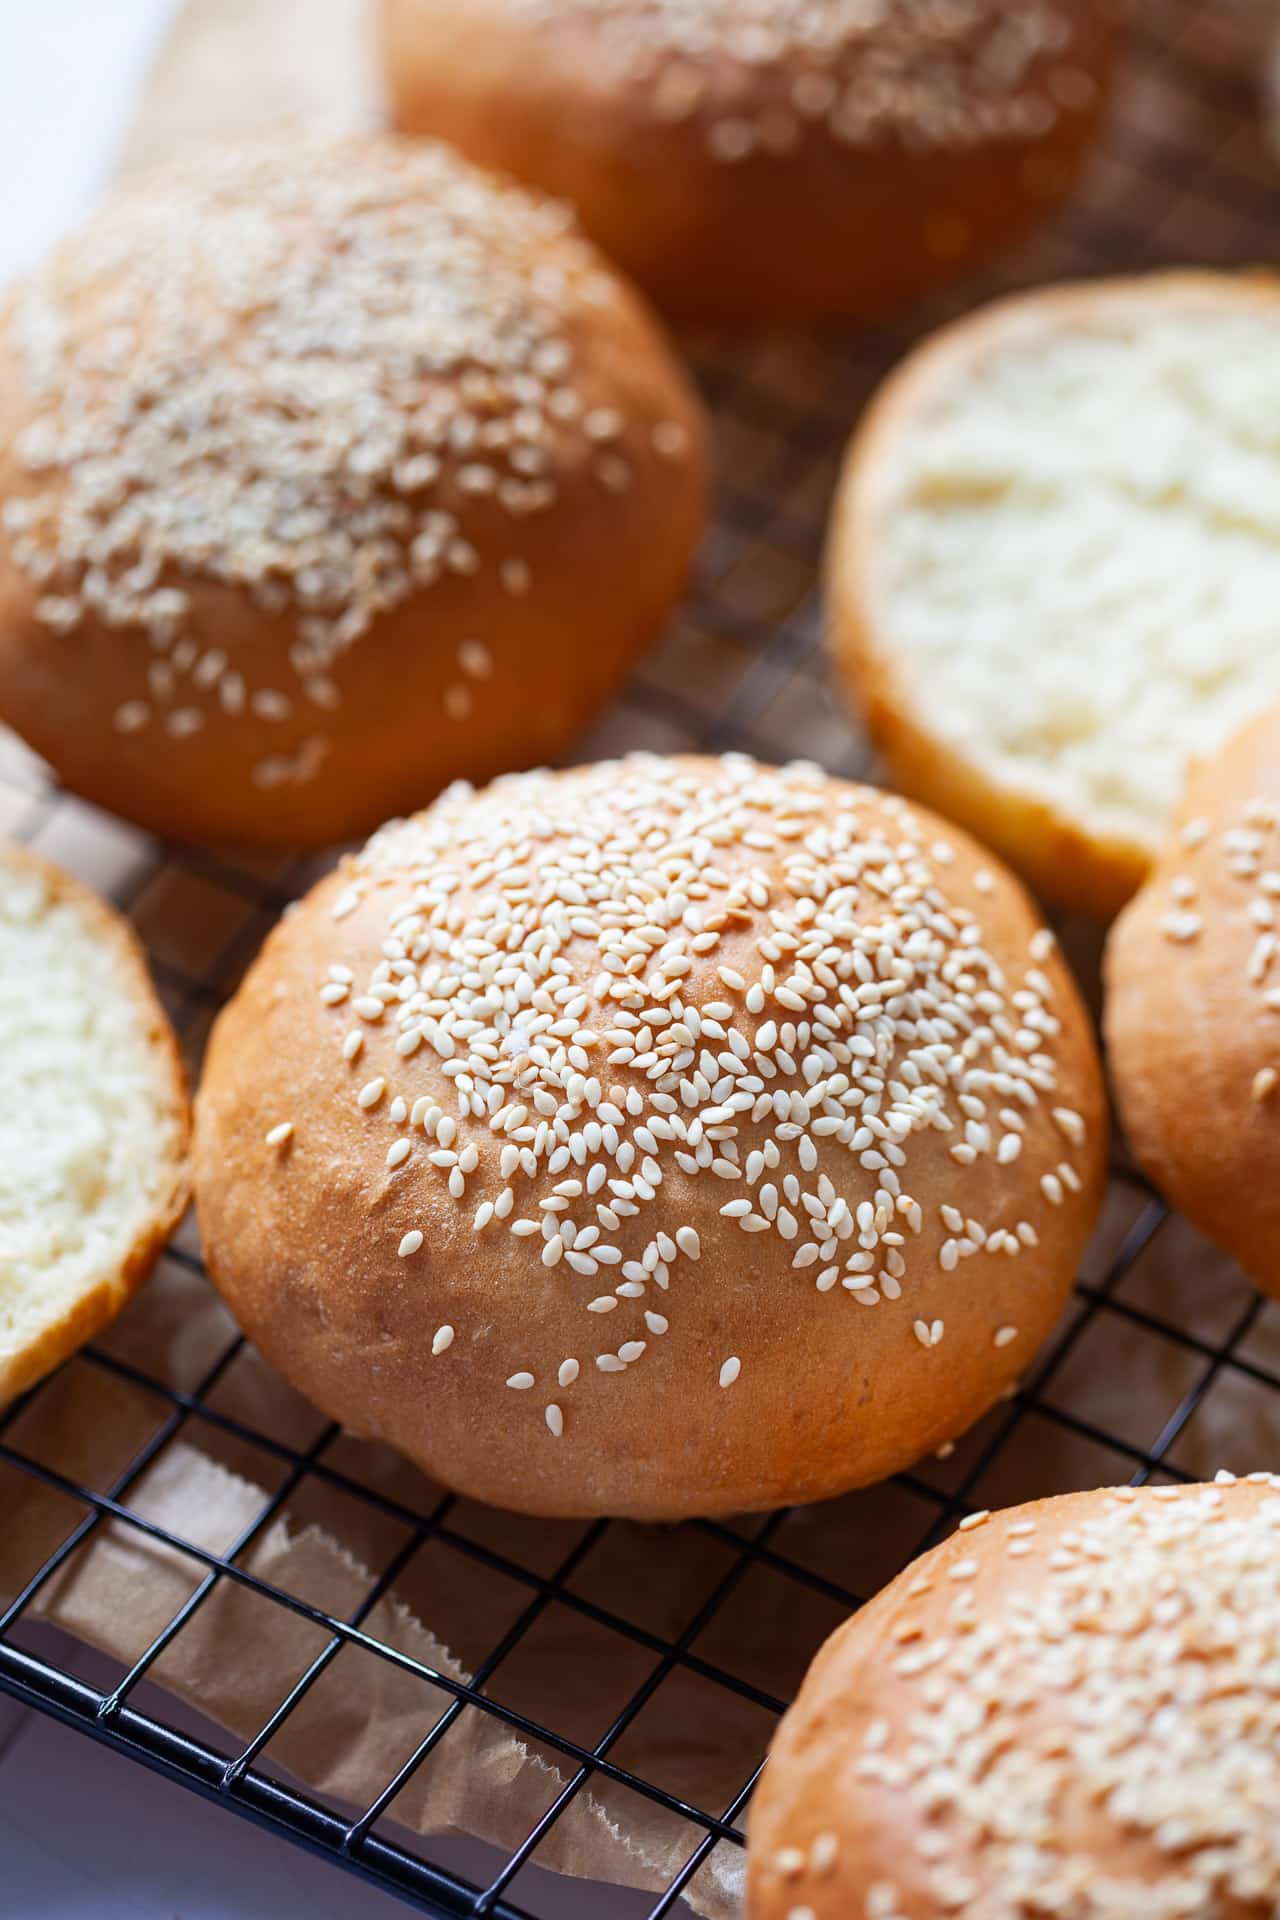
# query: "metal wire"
1183, 176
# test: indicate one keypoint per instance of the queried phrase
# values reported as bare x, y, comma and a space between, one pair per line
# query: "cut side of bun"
94, 1127
1055, 564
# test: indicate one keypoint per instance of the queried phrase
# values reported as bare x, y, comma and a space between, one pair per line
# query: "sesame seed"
521, 1382
411, 1243
555, 1420
1004, 1336
443, 1340
730, 1370
475, 659
279, 1134
823, 1853
1181, 926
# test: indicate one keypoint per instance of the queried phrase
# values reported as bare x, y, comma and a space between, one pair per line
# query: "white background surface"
68, 73
83, 1834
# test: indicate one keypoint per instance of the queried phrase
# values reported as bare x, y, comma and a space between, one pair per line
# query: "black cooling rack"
1184, 176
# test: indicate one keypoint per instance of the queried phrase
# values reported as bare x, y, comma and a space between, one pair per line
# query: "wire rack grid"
1183, 175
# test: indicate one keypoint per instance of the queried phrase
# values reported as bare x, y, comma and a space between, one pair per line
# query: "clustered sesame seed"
1246, 852
327, 374
648, 973
864, 73
1131, 1673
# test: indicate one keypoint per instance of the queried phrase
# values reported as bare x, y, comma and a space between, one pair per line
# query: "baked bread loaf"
1071, 1708
1054, 565
756, 161
94, 1126
330, 471
1193, 1005
658, 1138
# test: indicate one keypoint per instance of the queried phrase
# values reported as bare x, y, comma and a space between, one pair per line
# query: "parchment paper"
232, 63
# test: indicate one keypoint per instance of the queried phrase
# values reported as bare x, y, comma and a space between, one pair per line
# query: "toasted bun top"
765, 77
1193, 1003
636, 1067
1070, 1708
282, 388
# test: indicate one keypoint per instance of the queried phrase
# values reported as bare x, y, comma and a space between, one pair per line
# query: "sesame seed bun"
1049, 581
1069, 1708
1193, 1005
95, 1127
331, 470
664, 1137
754, 161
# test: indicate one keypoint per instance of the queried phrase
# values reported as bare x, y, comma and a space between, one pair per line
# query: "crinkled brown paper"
237, 62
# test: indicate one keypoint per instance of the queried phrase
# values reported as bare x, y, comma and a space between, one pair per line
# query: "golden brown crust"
809, 223
1067, 862
111, 1290
556, 548
1192, 1013
302, 1238
852, 1818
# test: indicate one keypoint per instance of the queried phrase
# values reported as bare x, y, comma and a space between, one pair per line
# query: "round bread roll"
330, 471
1193, 1005
1054, 565
1070, 1708
663, 1137
754, 161
94, 1126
